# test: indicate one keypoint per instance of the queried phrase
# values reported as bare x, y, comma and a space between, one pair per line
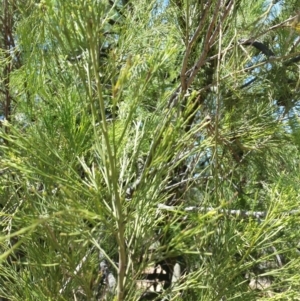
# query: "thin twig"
232, 212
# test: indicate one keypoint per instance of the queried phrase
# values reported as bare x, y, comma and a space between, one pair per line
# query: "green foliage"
133, 132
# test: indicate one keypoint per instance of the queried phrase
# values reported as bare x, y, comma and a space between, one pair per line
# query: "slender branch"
234, 212
190, 45
282, 24
208, 41
220, 23
76, 271
111, 169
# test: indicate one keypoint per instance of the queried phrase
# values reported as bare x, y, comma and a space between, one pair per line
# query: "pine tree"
149, 144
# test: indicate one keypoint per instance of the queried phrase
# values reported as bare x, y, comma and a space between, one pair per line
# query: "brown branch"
208, 41
190, 45
224, 16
